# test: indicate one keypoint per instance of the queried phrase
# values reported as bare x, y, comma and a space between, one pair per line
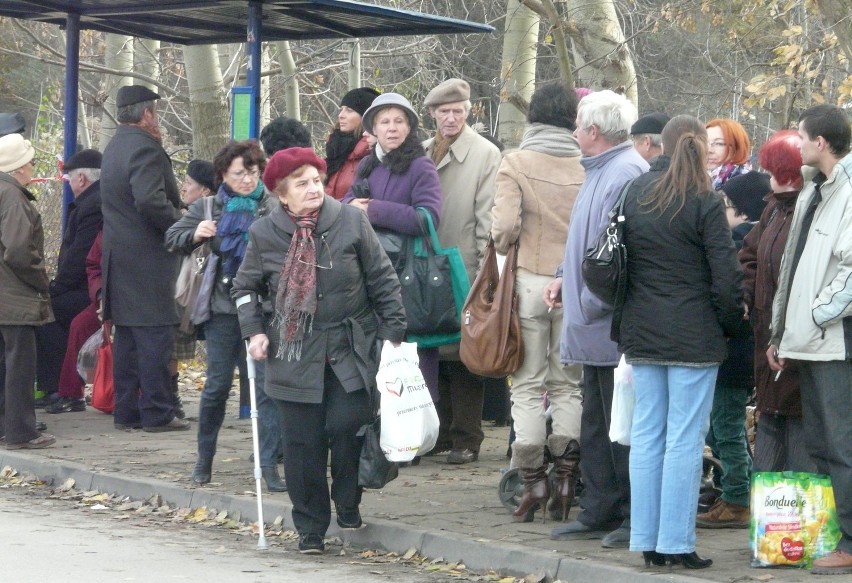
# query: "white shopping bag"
409, 419
621, 420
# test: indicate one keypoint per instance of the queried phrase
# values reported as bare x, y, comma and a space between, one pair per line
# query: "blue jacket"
587, 320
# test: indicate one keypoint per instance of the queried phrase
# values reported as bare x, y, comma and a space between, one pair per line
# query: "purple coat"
394, 197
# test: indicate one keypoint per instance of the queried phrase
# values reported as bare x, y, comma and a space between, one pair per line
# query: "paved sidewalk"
444, 511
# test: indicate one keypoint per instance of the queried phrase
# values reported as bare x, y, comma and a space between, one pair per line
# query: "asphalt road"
47, 539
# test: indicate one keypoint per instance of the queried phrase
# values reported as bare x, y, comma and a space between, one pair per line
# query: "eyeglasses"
717, 144
243, 174
317, 265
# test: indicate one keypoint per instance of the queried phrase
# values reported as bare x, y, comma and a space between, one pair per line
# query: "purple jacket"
393, 197
587, 320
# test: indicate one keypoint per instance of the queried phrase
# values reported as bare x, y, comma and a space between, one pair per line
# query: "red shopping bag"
103, 396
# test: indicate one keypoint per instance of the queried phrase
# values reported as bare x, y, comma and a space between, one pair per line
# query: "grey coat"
358, 301
179, 240
140, 201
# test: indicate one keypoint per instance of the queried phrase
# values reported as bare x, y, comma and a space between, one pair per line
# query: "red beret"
284, 162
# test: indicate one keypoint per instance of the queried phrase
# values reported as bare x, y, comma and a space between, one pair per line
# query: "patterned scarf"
441, 146
296, 301
240, 212
726, 171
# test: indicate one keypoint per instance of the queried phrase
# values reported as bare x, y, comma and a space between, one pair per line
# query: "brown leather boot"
530, 458
566, 453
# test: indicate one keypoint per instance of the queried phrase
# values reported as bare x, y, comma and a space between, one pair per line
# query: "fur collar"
398, 161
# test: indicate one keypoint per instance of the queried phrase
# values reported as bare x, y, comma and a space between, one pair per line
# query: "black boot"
274, 483
530, 458
689, 560
566, 453
179, 412
203, 470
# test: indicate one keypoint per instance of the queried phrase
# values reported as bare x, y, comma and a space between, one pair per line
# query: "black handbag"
427, 284
604, 266
374, 469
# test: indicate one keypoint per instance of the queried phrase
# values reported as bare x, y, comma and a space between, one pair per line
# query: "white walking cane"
255, 440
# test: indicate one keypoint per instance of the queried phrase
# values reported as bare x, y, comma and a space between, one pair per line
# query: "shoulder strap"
617, 211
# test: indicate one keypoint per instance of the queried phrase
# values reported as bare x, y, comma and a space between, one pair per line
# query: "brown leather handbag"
491, 342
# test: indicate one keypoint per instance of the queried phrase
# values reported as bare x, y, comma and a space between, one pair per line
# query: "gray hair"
91, 174
133, 113
466, 104
656, 139
611, 113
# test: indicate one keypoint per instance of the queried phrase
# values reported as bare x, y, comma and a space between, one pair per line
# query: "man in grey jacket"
812, 311
604, 119
140, 201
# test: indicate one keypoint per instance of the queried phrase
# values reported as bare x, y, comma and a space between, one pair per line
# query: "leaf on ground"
409, 553
67, 484
507, 580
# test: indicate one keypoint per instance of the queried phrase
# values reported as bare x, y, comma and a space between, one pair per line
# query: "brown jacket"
535, 195
24, 296
760, 257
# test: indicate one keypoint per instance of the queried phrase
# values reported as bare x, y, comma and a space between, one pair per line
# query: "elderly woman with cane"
315, 294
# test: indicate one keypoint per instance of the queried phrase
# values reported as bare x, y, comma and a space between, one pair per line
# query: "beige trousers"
542, 371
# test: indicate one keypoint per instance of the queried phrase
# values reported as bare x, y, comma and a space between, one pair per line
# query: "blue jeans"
670, 421
225, 347
727, 439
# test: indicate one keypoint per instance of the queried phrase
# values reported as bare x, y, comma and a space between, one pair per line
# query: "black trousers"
17, 375
52, 338
310, 431
604, 465
143, 383
460, 406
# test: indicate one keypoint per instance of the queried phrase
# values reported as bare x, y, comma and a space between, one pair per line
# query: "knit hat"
746, 191
202, 172
384, 101
131, 94
284, 162
450, 91
359, 99
83, 159
15, 151
651, 123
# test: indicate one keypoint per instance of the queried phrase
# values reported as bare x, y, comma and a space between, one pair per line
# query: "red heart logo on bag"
793, 550
395, 387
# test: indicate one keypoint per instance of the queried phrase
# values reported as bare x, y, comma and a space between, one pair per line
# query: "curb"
478, 555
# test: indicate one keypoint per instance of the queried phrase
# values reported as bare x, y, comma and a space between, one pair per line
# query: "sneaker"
311, 544
462, 456
724, 515
40, 442
48, 399
837, 563
66, 405
349, 519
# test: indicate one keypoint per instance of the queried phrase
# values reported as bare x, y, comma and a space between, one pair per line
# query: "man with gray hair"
467, 168
69, 292
647, 136
604, 119
141, 200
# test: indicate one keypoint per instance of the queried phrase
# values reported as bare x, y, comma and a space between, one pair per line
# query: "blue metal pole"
72, 66
253, 49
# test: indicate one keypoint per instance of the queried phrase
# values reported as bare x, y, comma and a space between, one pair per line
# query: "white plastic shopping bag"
409, 419
622, 404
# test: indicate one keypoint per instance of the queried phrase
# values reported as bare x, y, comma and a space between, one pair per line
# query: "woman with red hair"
779, 443
728, 149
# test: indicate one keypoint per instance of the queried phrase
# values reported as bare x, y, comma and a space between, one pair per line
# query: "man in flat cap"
141, 200
467, 167
646, 134
69, 293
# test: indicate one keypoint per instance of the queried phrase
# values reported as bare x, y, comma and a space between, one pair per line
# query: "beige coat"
24, 297
467, 188
535, 195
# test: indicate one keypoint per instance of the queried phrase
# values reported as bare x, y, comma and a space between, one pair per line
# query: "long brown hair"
685, 140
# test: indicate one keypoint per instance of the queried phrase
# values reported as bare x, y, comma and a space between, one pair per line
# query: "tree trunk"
264, 86
146, 60
208, 108
355, 64
837, 11
291, 84
118, 55
520, 45
602, 59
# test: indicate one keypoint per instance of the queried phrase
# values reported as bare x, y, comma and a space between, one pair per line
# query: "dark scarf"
296, 301
337, 149
239, 213
398, 160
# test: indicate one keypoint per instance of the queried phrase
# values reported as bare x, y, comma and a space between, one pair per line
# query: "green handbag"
450, 263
